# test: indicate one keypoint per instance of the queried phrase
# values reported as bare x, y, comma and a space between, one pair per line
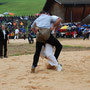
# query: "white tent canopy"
1, 15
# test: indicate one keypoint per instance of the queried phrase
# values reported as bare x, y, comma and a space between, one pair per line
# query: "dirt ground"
15, 70
71, 42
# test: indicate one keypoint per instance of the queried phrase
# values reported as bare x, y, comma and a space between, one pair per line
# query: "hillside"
21, 7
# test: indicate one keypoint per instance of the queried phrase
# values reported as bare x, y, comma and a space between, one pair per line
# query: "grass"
22, 7
26, 48
68, 46
74, 48
20, 49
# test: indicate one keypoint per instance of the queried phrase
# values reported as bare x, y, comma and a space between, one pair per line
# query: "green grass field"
22, 7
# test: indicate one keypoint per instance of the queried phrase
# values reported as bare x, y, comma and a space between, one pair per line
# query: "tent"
1, 15
5, 13
12, 14
37, 14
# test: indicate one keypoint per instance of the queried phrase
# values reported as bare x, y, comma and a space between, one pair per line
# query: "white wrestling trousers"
16, 37
47, 52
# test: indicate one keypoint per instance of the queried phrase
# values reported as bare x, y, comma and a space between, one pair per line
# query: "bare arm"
34, 30
58, 21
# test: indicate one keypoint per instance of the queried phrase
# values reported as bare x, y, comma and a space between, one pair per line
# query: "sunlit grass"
22, 7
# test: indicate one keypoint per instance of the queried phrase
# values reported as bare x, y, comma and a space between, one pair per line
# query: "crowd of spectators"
74, 30
23, 23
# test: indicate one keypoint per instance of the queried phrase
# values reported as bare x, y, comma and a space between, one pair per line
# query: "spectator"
3, 41
16, 34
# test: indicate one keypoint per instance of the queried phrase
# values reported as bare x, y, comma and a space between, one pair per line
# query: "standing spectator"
14, 24
30, 38
86, 33
24, 36
29, 27
3, 41
21, 24
24, 32
16, 34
